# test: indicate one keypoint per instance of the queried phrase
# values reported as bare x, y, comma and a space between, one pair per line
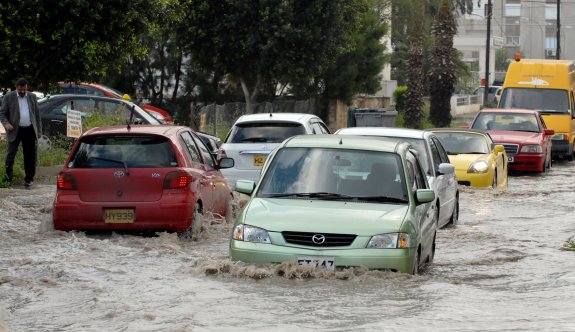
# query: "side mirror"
548, 132
245, 186
499, 148
424, 196
226, 163
446, 168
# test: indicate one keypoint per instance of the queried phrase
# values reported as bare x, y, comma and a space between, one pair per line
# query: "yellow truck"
547, 86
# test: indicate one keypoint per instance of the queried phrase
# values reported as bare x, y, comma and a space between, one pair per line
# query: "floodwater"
502, 268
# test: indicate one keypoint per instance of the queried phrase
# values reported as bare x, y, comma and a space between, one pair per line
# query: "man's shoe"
28, 184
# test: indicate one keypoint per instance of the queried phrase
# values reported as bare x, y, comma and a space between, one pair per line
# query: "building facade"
525, 26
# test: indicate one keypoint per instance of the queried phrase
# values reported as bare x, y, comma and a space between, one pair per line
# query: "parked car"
491, 92
53, 111
212, 142
254, 136
146, 178
523, 133
478, 161
332, 201
106, 91
434, 160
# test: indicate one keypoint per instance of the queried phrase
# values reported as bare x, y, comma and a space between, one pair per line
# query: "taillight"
176, 180
66, 182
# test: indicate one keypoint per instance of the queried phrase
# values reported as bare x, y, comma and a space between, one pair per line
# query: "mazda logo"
318, 238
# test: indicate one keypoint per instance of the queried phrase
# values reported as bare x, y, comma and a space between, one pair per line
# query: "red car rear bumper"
70, 213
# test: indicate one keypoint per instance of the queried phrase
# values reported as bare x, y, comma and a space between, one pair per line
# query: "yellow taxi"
478, 161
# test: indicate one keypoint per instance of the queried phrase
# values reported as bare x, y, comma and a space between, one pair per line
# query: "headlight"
250, 233
532, 148
389, 241
480, 166
560, 137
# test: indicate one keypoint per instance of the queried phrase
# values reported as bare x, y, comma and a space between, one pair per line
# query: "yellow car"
478, 161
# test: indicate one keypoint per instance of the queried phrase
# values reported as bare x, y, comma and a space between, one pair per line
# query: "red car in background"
522, 132
141, 178
102, 90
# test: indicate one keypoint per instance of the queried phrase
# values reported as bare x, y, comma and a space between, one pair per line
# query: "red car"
102, 90
522, 132
143, 178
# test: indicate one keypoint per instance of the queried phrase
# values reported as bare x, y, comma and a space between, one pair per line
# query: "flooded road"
502, 268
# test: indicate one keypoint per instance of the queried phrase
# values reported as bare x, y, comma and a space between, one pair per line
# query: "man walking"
20, 117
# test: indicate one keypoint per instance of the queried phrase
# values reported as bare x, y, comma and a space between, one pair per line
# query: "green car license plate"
317, 261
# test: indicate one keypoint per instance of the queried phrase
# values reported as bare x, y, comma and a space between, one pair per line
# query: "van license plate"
119, 216
317, 261
259, 159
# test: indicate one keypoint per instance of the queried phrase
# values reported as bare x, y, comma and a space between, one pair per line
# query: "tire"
494, 182
196, 228
415, 269
432, 253
455, 215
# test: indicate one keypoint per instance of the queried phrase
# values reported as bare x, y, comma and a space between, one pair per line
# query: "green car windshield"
335, 174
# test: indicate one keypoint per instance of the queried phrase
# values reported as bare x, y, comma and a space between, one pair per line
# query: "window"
208, 159
319, 128
442, 153
512, 41
512, 10
434, 155
192, 149
550, 11
270, 132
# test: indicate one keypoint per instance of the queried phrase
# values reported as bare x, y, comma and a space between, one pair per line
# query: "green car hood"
299, 215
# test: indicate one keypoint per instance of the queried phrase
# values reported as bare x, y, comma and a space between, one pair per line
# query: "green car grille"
318, 239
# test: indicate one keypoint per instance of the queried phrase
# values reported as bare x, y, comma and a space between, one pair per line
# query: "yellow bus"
547, 86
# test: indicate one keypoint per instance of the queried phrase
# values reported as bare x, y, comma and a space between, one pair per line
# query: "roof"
165, 130
345, 142
295, 117
382, 131
76, 96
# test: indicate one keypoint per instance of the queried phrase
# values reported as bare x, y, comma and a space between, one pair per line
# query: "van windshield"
544, 100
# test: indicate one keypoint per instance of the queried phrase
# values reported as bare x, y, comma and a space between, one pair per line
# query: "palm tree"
415, 89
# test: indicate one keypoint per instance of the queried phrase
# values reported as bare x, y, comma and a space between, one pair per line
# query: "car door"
446, 183
424, 213
220, 188
199, 170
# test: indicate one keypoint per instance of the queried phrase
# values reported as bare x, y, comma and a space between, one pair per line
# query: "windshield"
507, 121
268, 132
335, 174
463, 143
546, 100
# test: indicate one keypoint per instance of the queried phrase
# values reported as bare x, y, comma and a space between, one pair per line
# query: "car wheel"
570, 157
455, 215
494, 183
196, 228
432, 253
415, 269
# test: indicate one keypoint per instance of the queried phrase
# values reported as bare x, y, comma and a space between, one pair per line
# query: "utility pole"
488, 13
558, 51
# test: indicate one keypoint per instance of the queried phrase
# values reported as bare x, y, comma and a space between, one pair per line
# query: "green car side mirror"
245, 186
424, 195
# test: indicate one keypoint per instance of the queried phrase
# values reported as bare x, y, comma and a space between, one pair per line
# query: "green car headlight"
389, 241
479, 166
250, 233
532, 148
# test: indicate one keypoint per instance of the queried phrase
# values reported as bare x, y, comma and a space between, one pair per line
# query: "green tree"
290, 41
48, 41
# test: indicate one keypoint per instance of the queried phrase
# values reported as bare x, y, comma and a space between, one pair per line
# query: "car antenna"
340, 140
270, 114
131, 116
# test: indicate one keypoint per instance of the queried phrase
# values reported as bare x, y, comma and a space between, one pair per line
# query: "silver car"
253, 137
435, 161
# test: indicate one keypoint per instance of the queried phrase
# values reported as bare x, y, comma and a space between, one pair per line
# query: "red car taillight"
176, 180
66, 182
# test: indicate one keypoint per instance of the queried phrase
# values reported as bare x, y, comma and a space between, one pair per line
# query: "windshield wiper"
383, 199
318, 195
114, 161
255, 139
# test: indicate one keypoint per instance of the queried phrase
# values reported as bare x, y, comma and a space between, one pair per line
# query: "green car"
338, 201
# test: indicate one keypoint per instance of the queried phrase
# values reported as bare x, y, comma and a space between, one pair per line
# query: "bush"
399, 98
